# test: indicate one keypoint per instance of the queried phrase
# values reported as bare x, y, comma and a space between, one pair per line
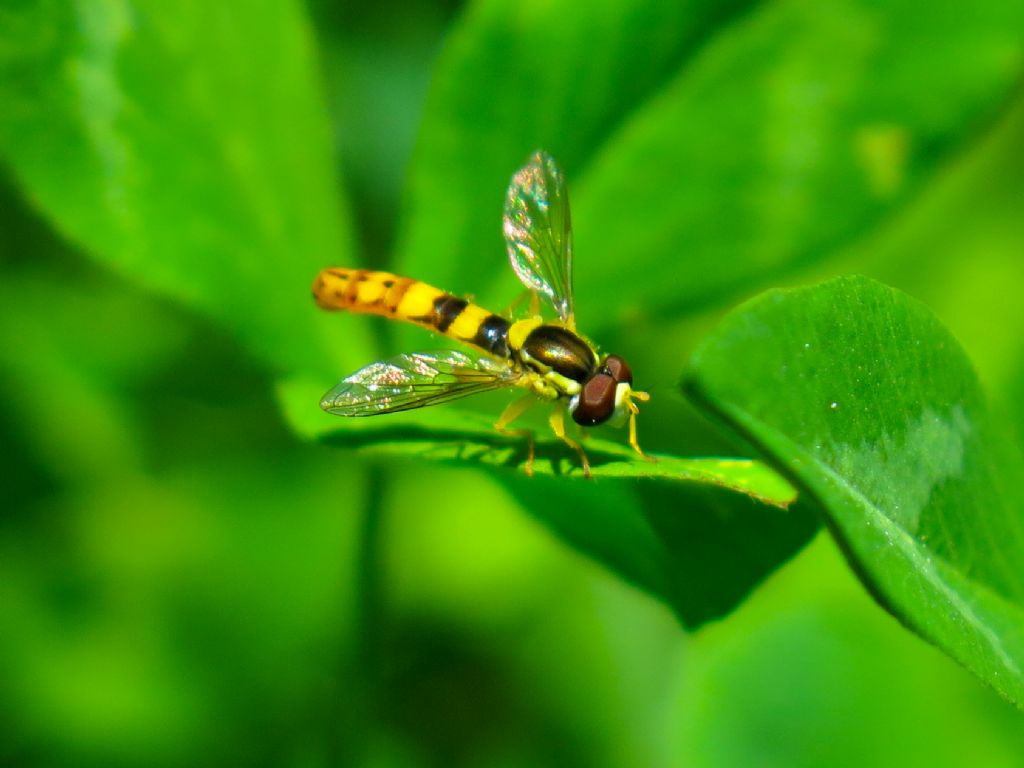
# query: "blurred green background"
183, 581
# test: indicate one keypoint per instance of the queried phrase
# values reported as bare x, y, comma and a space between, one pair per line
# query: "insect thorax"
562, 360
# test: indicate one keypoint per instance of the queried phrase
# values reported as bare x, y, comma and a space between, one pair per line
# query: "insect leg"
557, 422
514, 410
513, 308
633, 411
534, 304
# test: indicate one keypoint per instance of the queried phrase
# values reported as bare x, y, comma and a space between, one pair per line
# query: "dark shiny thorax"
551, 347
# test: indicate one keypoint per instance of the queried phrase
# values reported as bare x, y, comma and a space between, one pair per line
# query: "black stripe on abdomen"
492, 335
446, 309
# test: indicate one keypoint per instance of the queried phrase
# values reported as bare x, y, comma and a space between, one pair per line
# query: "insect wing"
538, 231
415, 380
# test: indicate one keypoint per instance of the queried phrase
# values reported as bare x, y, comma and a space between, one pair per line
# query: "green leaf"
534, 75
860, 396
733, 143
59, 367
699, 546
186, 146
811, 673
741, 141
700, 536
454, 435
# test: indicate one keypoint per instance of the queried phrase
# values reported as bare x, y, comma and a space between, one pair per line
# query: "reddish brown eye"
597, 401
616, 367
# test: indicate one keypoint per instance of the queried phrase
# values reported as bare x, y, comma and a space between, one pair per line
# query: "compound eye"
616, 367
596, 401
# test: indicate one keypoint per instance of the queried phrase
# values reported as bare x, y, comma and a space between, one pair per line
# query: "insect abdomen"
402, 298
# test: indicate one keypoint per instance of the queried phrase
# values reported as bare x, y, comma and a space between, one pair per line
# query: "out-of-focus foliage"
197, 137
184, 580
801, 124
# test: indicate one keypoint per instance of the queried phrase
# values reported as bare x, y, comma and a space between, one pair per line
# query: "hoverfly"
549, 359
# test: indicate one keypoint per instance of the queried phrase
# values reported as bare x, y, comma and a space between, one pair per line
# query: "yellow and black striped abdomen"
402, 298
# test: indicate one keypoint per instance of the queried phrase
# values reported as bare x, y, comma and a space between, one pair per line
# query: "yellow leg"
514, 410
557, 422
511, 309
570, 321
534, 304
633, 411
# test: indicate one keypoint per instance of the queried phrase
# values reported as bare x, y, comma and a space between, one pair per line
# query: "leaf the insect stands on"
703, 533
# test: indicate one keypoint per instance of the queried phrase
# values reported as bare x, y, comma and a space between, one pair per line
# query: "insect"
549, 359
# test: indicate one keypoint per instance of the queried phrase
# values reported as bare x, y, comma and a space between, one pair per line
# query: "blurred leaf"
702, 156
699, 546
185, 145
72, 365
377, 60
518, 77
866, 402
166, 619
810, 673
958, 249
705, 532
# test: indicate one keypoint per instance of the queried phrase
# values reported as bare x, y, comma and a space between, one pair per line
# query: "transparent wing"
538, 231
415, 380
